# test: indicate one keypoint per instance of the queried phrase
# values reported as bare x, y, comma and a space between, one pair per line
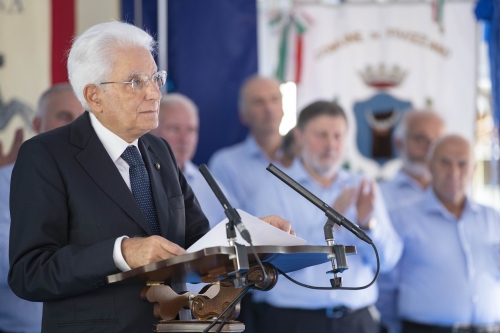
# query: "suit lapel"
160, 197
96, 161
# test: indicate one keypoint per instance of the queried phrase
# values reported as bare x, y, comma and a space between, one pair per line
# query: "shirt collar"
402, 179
253, 149
300, 174
114, 145
432, 203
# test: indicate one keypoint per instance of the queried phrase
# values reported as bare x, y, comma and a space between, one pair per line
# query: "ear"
37, 124
244, 117
92, 93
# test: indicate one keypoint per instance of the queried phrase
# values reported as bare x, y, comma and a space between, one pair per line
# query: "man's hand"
345, 199
365, 202
12, 155
142, 251
279, 223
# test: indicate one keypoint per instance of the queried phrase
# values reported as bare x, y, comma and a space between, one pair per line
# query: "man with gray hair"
178, 123
57, 107
448, 276
412, 138
100, 191
105, 196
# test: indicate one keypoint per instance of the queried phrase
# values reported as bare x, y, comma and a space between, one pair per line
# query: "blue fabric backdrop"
489, 11
212, 49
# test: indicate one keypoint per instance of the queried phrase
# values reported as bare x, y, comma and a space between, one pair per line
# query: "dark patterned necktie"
141, 186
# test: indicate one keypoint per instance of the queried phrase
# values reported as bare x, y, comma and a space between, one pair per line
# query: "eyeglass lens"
158, 78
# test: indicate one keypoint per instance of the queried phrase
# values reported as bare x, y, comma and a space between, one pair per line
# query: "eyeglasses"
140, 82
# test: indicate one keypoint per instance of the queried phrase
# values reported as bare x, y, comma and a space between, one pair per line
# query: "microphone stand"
240, 258
333, 217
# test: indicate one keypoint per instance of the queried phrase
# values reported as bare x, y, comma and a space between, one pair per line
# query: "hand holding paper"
263, 233
280, 223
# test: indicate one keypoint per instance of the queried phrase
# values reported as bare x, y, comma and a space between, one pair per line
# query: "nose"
331, 142
153, 92
455, 171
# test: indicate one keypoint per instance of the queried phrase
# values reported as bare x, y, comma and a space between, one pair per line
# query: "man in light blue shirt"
449, 273
321, 133
412, 138
58, 106
240, 168
178, 123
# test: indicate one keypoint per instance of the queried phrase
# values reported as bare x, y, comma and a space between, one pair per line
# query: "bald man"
240, 167
57, 106
178, 123
412, 138
448, 277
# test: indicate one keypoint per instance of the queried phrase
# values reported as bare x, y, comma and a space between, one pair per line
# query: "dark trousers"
249, 313
268, 319
412, 327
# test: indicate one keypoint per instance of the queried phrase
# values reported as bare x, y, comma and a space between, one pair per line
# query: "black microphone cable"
227, 310
337, 288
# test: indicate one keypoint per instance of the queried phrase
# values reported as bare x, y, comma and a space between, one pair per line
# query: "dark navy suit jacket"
68, 205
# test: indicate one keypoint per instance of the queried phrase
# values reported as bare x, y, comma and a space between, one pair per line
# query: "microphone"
329, 211
231, 213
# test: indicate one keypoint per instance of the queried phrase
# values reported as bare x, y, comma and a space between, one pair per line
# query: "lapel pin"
157, 166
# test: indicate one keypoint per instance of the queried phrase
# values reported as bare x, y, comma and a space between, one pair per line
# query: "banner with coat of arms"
378, 61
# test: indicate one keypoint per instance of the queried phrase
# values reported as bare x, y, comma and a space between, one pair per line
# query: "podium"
215, 265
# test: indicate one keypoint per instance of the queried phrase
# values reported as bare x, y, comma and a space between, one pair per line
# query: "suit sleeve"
44, 266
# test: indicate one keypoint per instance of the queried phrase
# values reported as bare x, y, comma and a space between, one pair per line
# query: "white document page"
261, 232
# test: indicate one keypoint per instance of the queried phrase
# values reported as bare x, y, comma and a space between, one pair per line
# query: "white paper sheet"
261, 232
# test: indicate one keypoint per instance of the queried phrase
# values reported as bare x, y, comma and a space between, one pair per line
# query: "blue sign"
376, 119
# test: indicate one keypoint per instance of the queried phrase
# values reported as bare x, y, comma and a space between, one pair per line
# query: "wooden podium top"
214, 262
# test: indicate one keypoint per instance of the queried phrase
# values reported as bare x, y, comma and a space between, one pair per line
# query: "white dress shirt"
115, 146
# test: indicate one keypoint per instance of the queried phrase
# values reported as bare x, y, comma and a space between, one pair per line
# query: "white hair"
450, 137
92, 57
176, 99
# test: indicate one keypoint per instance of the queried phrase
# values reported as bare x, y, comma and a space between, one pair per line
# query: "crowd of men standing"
439, 250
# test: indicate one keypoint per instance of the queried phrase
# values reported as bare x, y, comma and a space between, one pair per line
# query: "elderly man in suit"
100, 195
